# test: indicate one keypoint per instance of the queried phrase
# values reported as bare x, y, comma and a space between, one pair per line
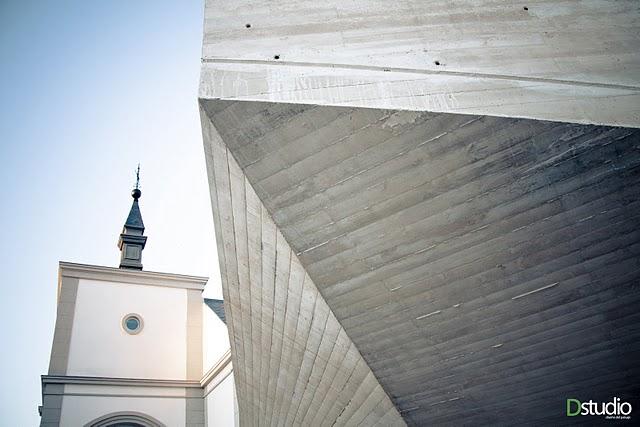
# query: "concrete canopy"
443, 179
473, 269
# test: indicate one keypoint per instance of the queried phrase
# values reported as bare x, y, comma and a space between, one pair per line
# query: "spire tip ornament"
136, 193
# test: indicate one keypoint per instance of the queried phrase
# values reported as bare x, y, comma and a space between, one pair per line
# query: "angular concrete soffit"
273, 308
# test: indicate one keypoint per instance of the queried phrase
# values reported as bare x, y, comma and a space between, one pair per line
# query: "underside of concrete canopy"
484, 268
426, 213
294, 362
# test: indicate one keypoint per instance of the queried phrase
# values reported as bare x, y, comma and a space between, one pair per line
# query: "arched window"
125, 419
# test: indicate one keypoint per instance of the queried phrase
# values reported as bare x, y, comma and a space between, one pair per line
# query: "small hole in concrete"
248, 25
526, 8
437, 62
276, 57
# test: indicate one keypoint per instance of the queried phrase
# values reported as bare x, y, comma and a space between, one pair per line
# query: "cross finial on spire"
136, 193
138, 177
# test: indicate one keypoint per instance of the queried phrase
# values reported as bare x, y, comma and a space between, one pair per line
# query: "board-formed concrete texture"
485, 268
387, 259
569, 60
294, 363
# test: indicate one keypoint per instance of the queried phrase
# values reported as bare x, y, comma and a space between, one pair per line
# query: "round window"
132, 323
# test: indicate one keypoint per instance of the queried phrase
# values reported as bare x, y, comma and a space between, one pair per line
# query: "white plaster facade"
216, 342
175, 371
82, 409
158, 352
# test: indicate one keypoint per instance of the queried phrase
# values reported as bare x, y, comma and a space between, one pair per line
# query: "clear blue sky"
87, 90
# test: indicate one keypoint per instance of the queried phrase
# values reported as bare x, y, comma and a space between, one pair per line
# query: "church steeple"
132, 241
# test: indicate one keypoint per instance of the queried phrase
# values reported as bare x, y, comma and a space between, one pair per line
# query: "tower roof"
134, 220
217, 306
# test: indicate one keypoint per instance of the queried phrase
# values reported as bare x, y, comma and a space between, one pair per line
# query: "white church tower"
137, 348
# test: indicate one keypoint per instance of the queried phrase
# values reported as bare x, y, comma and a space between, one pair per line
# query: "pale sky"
88, 89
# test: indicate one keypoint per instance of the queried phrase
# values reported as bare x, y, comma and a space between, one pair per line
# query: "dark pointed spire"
132, 241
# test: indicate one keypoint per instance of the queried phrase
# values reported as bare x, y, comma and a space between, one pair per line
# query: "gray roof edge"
217, 306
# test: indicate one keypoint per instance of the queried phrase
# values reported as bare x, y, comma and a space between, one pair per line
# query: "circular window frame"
134, 316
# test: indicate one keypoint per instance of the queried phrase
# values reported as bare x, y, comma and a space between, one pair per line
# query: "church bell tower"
132, 241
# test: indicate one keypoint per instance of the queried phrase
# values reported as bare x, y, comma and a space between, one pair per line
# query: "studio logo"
614, 410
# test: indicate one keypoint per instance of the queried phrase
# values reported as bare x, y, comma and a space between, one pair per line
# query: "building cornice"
135, 382
111, 274
223, 363
216, 369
